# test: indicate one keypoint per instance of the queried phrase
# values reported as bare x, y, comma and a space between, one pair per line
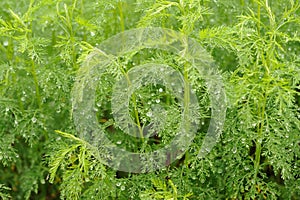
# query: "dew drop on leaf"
234, 150
33, 120
149, 114
5, 43
243, 140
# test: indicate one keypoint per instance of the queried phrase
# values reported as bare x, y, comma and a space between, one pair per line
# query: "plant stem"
122, 23
36, 84
260, 107
136, 113
258, 18
173, 188
261, 110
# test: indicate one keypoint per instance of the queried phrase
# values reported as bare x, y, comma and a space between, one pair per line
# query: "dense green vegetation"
256, 46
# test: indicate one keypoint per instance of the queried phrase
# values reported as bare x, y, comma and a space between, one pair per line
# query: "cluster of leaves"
256, 44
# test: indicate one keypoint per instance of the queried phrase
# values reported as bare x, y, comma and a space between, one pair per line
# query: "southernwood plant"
256, 46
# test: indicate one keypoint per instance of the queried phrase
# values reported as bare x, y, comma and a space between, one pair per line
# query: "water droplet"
33, 120
119, 142
259, 140
234, 150
267, 130
149, 114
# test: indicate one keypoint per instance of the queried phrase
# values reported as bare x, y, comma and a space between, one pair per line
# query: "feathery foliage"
256, 45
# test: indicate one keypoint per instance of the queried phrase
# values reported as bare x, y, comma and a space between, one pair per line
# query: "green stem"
175, 194
261, 108
242, 2
258, 18
36, 83
29, 36
15, 82
259, 139
72, 35
136, 113
186, 88
122, 23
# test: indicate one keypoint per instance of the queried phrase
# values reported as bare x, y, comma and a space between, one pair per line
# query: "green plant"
3, 194
255, 44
